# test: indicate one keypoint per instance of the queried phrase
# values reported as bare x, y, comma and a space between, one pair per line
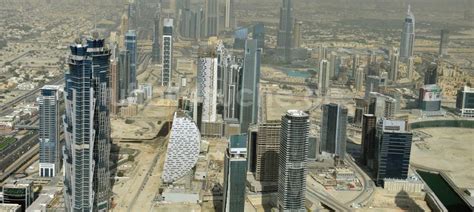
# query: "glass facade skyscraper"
49, 129
131, 45
87, 127
285, 30
167, 52
292, 161
333, 129
407, 42
235, 174
249, 94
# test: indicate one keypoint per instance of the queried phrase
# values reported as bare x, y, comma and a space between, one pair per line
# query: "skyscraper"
444, 43
167, 52
368, 140
259, 34
155, 49
114, 84
231, 90
229, 14
373, 84
285, 29
355, 64
131, 45
394, 64
430, 98
333, 65
268, 146
465, 102
86, 127
323, 77
212, 18
431, 74
292, 161
207, 86
411, 67
407, 42
393, 150
235, 174
333, 129
382, 106
49, 129
297, 34
249, 94
124, 74
359, 79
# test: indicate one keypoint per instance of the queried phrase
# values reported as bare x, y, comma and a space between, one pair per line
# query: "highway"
15, 151
367, 183
25, 158
325, 199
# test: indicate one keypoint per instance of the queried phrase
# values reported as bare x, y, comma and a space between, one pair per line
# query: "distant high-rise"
394, 64
132, 15
431, 74
231, 91
212, 18
87, 127
359, 79
355, 64
267, 149
373, 84
49, 129
235, 174
333, 129
297, 34
368, 140
324, 72
131, 45
285, 29
292, 161
249, 94
155, 49
465, 102
333, 65
124, 74
382, 106
167, 52
229, 14
407, 42
114, 84
259, 34
410, 67
444, 43
207, 86
393, 150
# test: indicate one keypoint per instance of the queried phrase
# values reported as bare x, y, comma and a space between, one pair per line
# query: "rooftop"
296, 113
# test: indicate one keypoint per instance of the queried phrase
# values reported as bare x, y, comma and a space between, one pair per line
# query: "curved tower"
407, 42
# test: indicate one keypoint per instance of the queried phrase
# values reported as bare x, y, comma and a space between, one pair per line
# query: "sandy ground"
449, 149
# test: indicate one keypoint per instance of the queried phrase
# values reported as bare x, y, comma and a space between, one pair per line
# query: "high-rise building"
465, 102
373, 84
87, 127
49, 129
249, 94
183, 148
333, 129
359, 79
259, 34
411, 67
355, 64
393, 150
267, 149
394, 64
292, 161
114, 84
231, 91
155, 48
444, 43
235, 174
230, 21
382, 106
368, 140
431, 74
124, 74
212, 18
297, 34
407, 42
132, 15
430, 98
167, 52
324, 72
207, 86
223, 60
285, 29
187, 24
333, 65
131, 45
